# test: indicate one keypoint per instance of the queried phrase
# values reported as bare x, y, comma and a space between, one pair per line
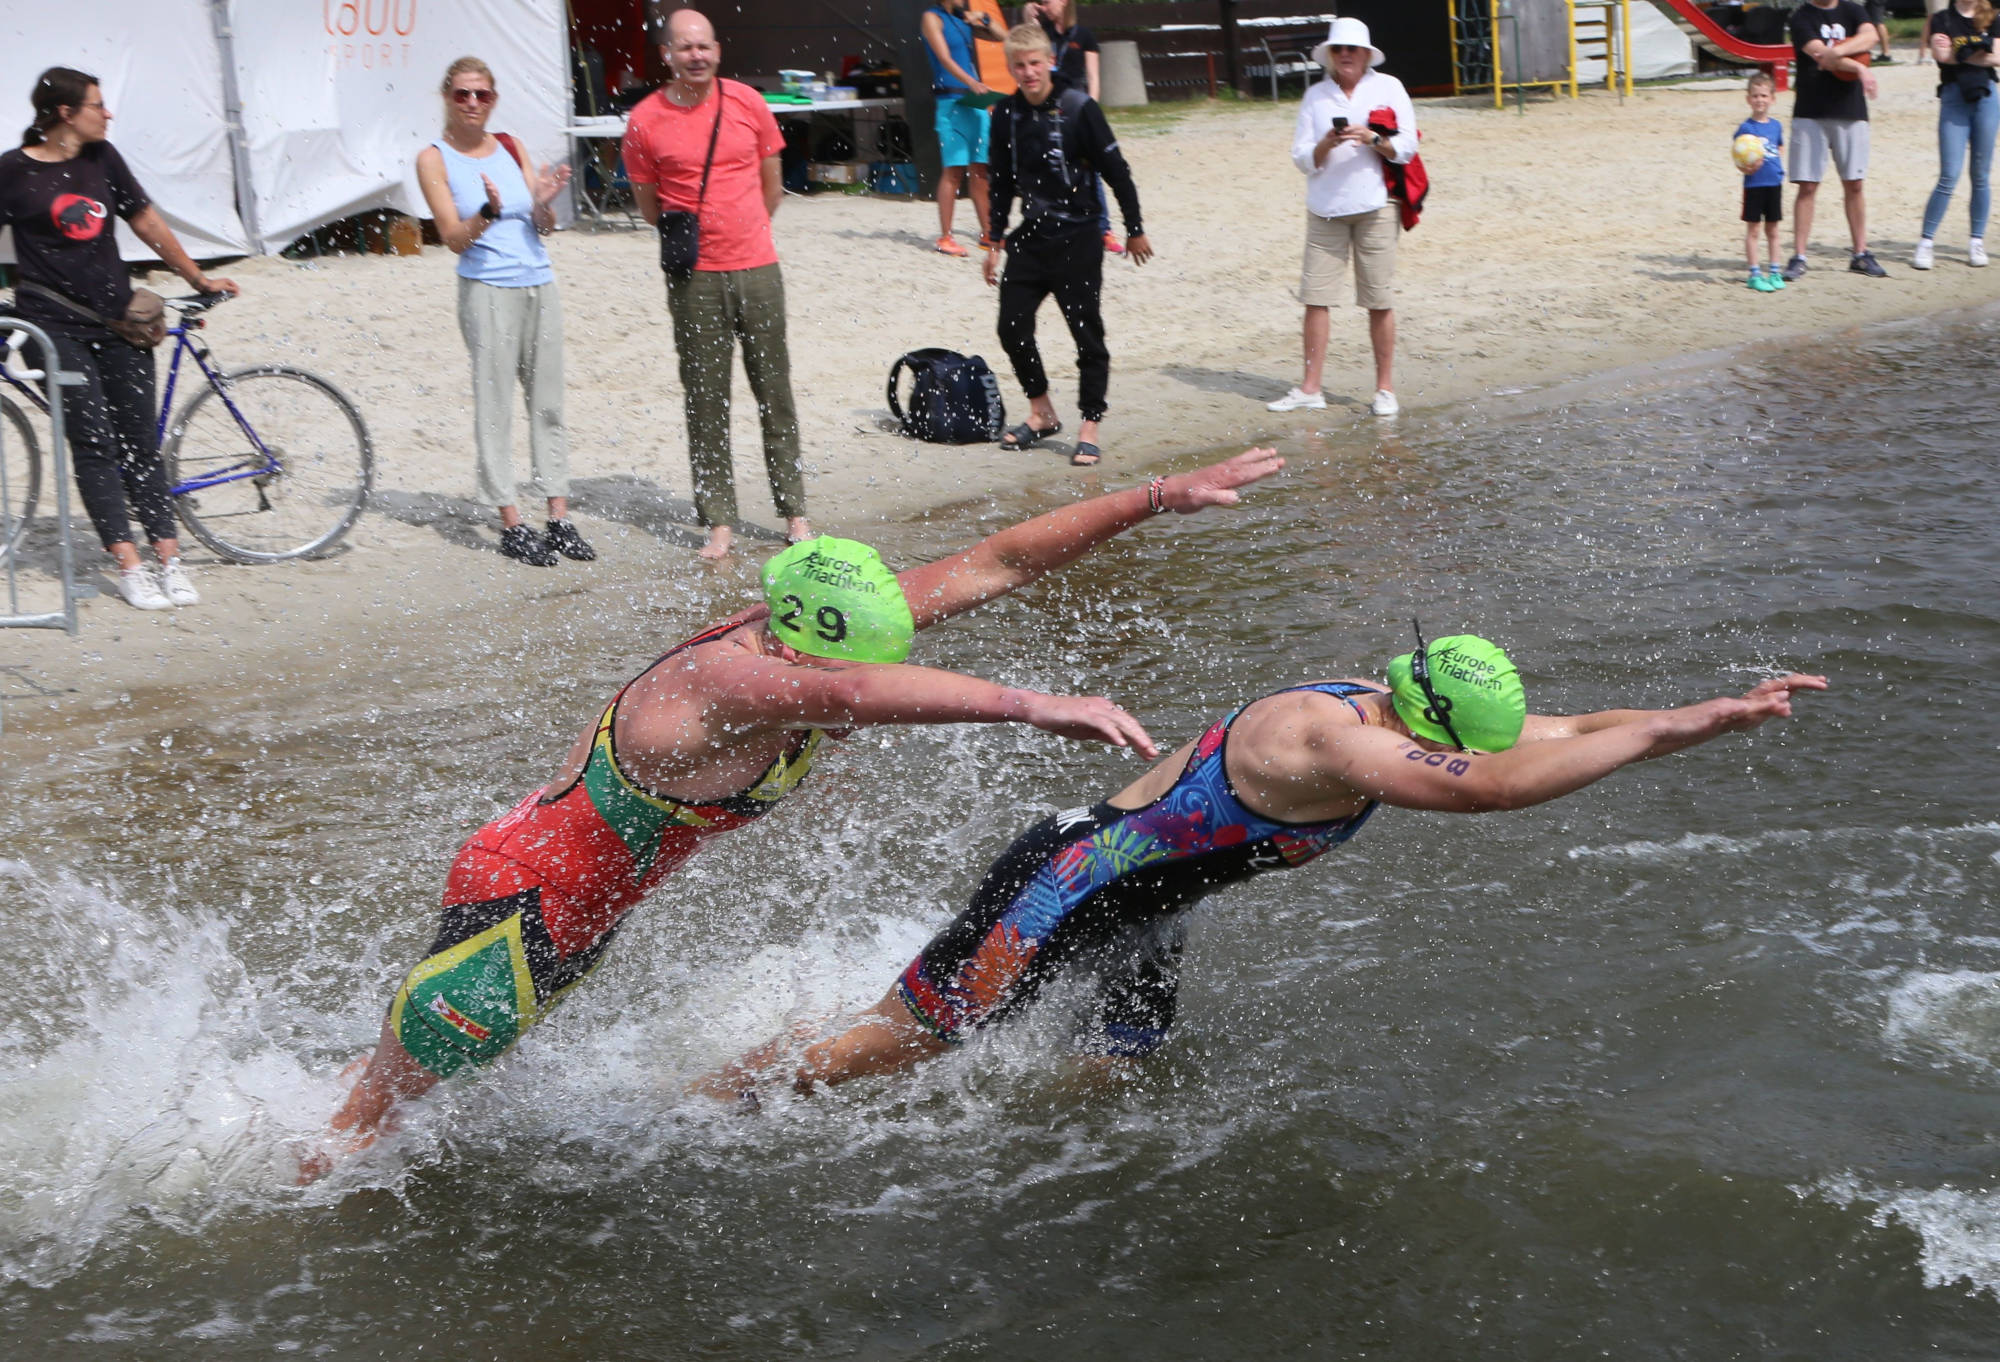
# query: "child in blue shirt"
1763, 184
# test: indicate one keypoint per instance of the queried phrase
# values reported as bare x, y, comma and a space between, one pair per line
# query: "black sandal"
1085, 455
1025, 436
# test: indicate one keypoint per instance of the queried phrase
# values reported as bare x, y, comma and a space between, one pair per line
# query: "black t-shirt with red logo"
62, 215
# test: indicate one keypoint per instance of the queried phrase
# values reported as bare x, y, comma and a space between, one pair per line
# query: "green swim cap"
1478, 684
836, 598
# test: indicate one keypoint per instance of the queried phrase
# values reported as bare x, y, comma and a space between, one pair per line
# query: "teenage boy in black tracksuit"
1048, 145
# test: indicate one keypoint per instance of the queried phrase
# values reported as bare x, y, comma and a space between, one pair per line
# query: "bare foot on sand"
718, 542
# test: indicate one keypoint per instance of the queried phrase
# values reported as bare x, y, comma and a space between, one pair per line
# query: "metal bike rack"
58, 379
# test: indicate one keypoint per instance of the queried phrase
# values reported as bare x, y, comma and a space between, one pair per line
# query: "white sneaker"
1385, 403
1921, 258
174, 584
140, 590
1296, 400
1975, 254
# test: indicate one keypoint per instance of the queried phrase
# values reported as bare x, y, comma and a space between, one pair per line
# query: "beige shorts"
1371, 239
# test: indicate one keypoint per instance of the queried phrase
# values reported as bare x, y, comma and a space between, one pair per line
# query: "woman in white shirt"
1348, 212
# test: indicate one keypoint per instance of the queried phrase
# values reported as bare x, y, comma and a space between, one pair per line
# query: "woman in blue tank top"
492, 206
1104, 890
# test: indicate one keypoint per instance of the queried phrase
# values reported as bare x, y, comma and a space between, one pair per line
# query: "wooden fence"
1182, 47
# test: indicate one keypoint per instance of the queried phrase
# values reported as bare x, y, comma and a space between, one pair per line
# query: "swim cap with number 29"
837, 598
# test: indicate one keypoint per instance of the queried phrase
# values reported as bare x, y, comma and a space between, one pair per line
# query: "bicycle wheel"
20, 476
274, 464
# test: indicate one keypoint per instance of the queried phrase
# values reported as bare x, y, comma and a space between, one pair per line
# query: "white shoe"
140, 590
1975, 254
1921, 258
1385, 403
1296, 400
174, 584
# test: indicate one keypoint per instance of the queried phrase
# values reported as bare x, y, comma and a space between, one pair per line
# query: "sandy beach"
1581, 237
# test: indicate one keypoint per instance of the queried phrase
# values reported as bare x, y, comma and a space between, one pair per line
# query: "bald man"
734, 288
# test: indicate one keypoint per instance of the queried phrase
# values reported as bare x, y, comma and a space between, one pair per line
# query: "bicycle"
264, 464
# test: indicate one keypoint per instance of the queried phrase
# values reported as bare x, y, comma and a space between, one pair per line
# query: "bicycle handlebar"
195, 303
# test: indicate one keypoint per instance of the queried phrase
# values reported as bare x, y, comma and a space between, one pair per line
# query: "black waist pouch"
680, 243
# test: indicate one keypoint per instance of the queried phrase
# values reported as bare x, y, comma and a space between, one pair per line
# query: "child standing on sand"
1763, 184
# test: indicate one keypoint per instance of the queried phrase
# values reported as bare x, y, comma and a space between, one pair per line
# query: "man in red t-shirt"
736, 288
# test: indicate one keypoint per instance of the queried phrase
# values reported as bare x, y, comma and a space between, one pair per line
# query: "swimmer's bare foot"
717, 546
797, 530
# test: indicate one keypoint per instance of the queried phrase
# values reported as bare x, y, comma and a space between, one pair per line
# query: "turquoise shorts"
961, 132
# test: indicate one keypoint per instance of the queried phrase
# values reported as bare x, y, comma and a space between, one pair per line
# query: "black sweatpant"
113, 426
1071, 267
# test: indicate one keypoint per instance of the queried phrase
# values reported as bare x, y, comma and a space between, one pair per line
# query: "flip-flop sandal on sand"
1025, 436
1086, 454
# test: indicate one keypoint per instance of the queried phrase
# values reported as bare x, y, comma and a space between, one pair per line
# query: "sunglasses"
1439, 711
461, 96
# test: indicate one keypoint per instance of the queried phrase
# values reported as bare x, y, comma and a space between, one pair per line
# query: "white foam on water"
1959, 1230
135, 1075
1955, 1013
1698, 844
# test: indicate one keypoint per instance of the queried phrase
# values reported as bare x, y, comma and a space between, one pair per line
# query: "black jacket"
1046, 157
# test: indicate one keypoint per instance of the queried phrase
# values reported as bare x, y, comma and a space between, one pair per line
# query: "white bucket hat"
1347, 33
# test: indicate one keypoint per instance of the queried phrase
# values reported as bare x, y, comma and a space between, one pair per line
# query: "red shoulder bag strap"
507, 140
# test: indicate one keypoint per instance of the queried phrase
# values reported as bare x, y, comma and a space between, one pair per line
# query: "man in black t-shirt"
1830, 121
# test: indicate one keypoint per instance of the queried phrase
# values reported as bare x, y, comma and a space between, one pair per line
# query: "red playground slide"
1774, 57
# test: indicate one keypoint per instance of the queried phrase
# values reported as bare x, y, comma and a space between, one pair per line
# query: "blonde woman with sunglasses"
492, 206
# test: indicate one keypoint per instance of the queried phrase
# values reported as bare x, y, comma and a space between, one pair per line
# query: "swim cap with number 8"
836, 598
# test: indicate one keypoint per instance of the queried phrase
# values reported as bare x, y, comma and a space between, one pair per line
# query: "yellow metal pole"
1493, 33
1570, 7
1625, 13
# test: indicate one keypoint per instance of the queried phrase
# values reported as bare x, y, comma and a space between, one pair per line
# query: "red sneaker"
1113, 244
948, 245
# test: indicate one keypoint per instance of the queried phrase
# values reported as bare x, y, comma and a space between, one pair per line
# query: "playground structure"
1522, 45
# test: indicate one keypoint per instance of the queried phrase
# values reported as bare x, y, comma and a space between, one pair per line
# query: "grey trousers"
515, 333
712, 311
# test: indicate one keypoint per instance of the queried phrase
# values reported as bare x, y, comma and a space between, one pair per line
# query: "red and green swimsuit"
535, 896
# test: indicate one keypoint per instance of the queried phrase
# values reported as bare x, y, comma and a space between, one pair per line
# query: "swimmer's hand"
1186, 493
1770, 699
1089, 718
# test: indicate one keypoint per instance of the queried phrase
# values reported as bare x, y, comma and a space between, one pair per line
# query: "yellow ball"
1748, 152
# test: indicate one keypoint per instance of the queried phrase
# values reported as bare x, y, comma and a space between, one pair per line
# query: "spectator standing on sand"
1049, 146
1763, 183
1960, 40
1348, 212
492, 205
963, 104
59, 191
1830, 121
736, 290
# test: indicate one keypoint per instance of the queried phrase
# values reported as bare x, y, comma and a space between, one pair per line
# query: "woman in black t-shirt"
59, 191
1961, 37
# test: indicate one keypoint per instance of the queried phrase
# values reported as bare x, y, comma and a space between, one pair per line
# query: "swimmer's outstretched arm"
1391, 768
1015, 556
766, 693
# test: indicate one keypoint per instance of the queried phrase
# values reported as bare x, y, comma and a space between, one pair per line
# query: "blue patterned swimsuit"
1106, 889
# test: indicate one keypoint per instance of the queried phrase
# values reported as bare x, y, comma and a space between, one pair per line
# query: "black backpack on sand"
954, 398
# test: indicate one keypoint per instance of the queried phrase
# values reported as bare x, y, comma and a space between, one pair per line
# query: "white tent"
1658, 49
337, 98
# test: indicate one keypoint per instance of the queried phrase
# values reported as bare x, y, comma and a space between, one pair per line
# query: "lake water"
1702, 1063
